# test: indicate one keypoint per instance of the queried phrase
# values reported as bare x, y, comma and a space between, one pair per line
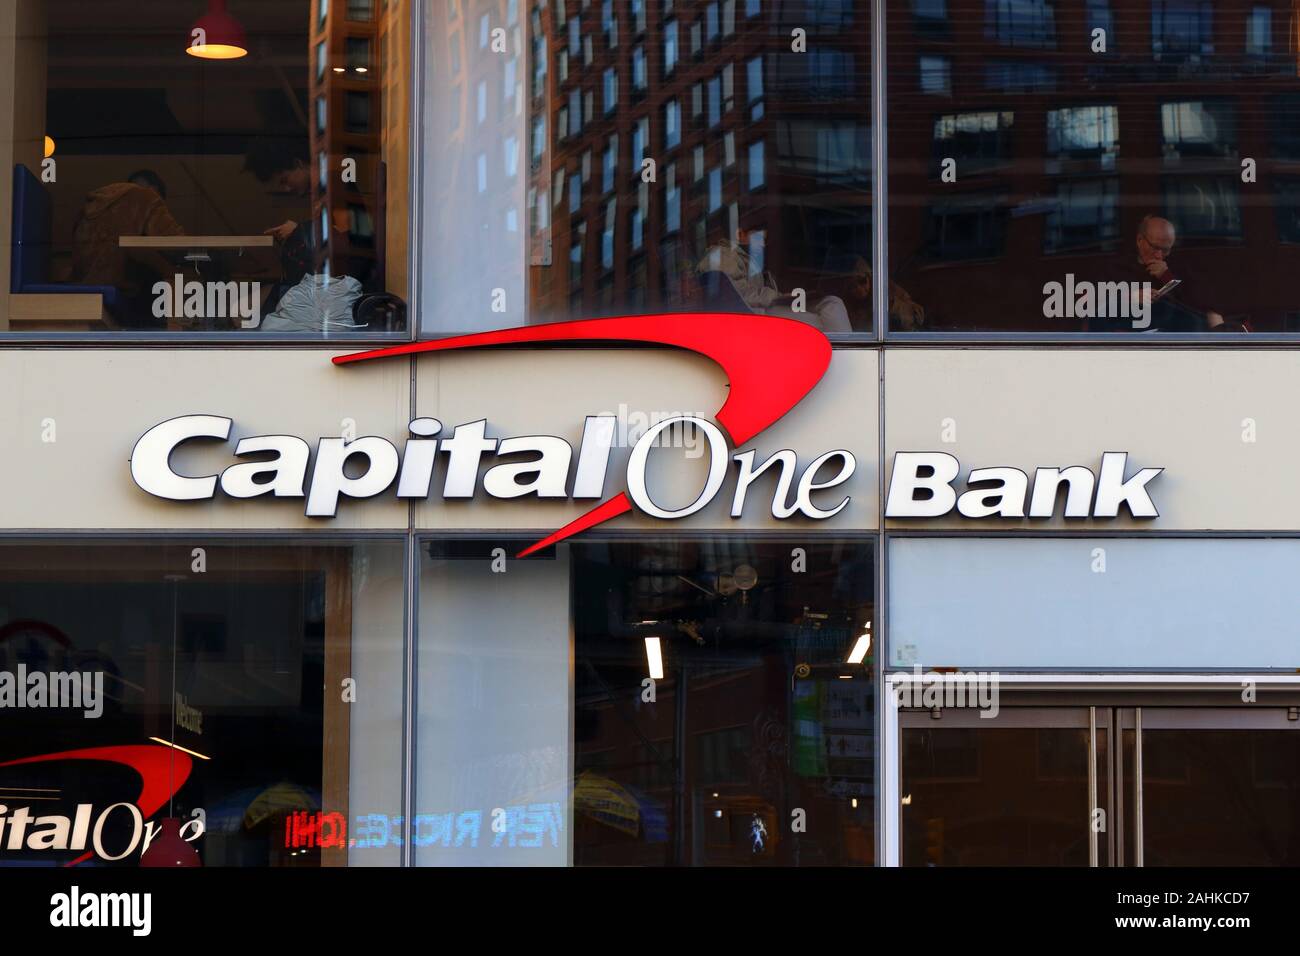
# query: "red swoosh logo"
770, 362
155, 765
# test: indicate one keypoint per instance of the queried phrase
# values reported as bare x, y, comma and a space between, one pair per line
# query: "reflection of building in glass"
755, 717
753, 146
347, 122
1068, 123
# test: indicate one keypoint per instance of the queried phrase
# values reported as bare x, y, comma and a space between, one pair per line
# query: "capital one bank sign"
771, 363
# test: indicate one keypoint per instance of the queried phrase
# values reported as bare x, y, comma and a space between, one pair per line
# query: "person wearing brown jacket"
133, 208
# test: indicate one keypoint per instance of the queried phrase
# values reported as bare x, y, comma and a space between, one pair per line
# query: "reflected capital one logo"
162, 771
770, 362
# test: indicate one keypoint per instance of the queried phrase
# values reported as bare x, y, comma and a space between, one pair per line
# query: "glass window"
1020, 22
715, 189
1259, 32
975, 140
1086, 215
361, 9
357, 50
673, 203
575, 192
745, 85
672, 124
357, 117
756, 180
609, 23
610, 89
1081, 142
190, 651
640, 143
609, 165
174, 151
638, 69
1181, 29
650, 703
930, 9
935, 76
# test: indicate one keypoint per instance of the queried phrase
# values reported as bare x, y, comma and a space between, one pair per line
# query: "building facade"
473, 432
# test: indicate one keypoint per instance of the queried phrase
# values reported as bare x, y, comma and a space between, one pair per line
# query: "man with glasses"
1177, 310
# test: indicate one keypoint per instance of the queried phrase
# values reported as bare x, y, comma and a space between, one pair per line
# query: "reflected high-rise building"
1029, 140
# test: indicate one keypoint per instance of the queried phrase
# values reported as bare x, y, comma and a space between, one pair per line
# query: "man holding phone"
1173, 306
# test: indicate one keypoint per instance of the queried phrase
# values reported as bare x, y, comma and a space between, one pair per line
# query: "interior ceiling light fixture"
217, 35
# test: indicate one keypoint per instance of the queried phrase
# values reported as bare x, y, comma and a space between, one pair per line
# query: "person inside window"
757, 289
281, 164
1180, 308
320, 283
135, 207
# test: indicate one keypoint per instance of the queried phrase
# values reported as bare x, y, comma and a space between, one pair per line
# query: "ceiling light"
217, 35
860, 648
654, 658
168, 743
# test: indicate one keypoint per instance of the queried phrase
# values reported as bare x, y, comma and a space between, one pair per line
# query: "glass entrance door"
1046, 786
1218, 786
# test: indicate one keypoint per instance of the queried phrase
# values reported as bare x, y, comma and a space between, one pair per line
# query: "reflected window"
1181, 29
672, 124
610, 90
672, 200
967, 228
975, 140
638, 69
609, 165
1084, 133
1019, 76
935, 75
1203, 205
834, 14
1020, 22
222, 676
1200, 128
1086, 215
1100, 18
607, 235
756, 173
357, 51
1259, 32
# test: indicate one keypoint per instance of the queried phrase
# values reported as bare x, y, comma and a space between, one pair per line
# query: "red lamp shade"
169, 847
217, 35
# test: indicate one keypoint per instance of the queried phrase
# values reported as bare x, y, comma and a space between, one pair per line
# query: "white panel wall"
1093, 603
494, 709
1185, 410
